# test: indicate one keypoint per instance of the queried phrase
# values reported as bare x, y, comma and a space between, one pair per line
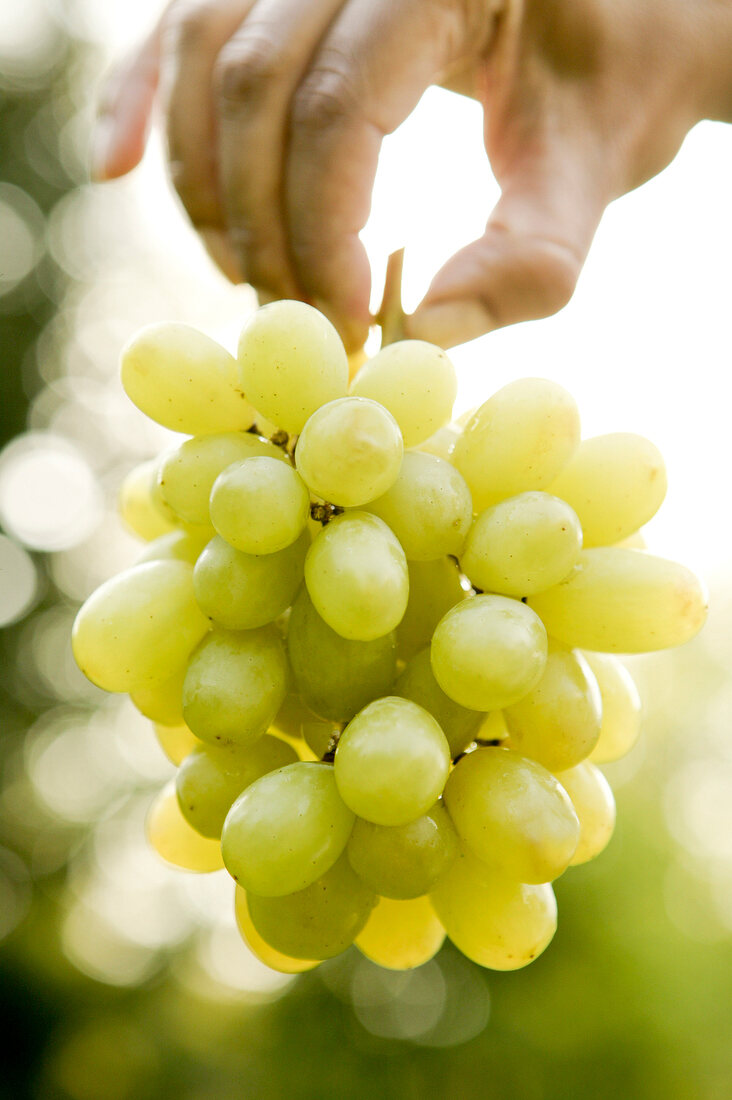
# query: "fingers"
123, 122
256, 75
368, 74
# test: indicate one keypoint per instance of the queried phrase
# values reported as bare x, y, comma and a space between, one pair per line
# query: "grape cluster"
379, 644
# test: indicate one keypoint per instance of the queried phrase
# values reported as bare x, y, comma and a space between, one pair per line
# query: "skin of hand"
275, 111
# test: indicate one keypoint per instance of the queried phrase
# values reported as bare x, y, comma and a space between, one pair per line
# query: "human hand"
275, 112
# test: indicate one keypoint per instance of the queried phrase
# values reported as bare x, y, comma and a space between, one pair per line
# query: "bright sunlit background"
123, 978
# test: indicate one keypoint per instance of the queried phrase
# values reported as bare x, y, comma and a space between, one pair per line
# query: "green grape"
442, 443
512, 814
318, 736
140, 506
179, 545
291, 361
403, 861
318, 922
488, 651
594, 805
623, 601
261, 950
184, 380
162, 701
497, 922
401, 935
391, 762
187, 473
417, 682
175, 840
434, 587
621, 708
139, 627
415, 381
522, 545
211, 778
335, 676
615, 483
286, 829
259, 505
493, 727
290, 717
357, 576
350, 451
428, 507
243, 591
521, 438
558, 721
175, 741
235, 684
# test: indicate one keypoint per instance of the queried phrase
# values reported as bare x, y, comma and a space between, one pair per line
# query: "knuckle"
187, 26
325, 99
245, 68
556, 269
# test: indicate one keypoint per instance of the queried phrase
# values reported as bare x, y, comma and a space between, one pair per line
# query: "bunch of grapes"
379, 644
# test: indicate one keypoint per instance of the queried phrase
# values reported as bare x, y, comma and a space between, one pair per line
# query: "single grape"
442, 443
512, 813
350, 451
434, 587
184, 380
428, 508
417, 682
140, 506
162, 701
415, 381
234, 685
243, 591
391, 762
175, 741
403, 861
621, 708
259, 947
139, 627
594, 805
488, 651
175, 840
401, 935
179, 545
522, 545
211, 778
291, 361
260, 505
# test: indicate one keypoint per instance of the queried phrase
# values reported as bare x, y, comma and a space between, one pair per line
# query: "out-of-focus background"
121, 979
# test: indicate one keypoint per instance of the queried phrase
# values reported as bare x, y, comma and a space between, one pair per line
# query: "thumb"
123, 121
527, 262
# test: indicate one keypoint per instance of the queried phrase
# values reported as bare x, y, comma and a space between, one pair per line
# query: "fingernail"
352, 332
101, 144
450, 323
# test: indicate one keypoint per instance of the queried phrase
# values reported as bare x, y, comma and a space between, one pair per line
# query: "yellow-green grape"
488, 651
291, 361
621, 708
493, 727
175, 741
139, 627
261, 950
623, 601
211, 778
318, 922
350, 451
497, 922
179, 545
403, 861
335, 676
243, 591
417, 682
636, 541
234, 685
512, 813
162, 701
140, 506
615, 483
594, 805
186, 474
291, 715
415, 381
428, 507
175, 840
558, 721
184, 380
391, 762
434, 587
522, 545
401, 935
357, 577
286, 829
259, 505
442, 443
521, 438
319, 736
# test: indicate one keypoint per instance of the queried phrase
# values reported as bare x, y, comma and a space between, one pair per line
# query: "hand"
275, 111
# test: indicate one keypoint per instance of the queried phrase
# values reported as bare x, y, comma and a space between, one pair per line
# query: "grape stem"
391, 314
